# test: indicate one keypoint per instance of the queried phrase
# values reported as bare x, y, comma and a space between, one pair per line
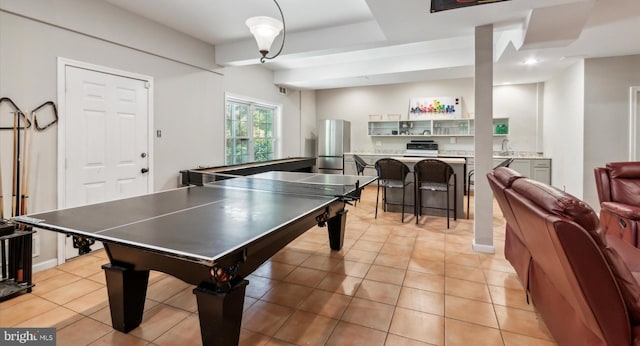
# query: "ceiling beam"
308, 43
386, 65
568, 22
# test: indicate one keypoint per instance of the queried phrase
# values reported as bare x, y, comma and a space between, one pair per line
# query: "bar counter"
437, 199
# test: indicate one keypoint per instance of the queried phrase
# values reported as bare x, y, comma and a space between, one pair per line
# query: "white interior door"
106, 139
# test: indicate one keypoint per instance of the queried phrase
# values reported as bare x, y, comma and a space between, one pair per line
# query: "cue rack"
16, 257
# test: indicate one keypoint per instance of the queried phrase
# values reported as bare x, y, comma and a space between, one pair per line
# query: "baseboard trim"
483, 248
45, 265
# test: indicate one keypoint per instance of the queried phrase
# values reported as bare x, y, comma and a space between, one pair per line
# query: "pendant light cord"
284, 35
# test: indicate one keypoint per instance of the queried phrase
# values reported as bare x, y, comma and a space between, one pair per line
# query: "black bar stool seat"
432, 175
392, 174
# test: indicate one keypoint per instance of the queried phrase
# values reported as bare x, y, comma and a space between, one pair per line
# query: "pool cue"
15, 163
25, 169
3, 251
1, 193
19, 243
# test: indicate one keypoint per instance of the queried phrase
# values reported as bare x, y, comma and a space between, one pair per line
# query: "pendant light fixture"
265, 30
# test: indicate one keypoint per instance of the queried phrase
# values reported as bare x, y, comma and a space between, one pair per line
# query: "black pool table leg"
127, 290
336, 226
220, 313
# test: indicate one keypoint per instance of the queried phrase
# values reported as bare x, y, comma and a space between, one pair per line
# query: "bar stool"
432, 175
392, 174
470, 182
361, 164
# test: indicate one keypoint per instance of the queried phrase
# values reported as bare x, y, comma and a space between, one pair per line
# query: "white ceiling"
342, 43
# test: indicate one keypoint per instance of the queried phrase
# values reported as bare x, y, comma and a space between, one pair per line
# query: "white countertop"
516, 155
449, 160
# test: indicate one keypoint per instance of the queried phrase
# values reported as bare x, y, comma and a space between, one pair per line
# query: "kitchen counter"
414, 159
444, 154
439, 200
530, 164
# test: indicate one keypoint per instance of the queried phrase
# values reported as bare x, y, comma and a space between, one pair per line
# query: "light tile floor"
392, 284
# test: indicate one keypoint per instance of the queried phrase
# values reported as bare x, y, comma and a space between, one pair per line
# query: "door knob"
144, 170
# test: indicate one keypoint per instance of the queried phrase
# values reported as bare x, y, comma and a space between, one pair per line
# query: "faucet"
505, 147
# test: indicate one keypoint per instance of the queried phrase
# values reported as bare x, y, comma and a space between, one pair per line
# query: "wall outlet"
452, 140
378, 143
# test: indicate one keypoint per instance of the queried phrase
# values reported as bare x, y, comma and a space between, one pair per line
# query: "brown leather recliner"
618, 186
581, 281
514, 249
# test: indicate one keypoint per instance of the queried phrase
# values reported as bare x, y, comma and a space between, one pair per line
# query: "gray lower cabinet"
519, 165
536, 169
541, 171
350, 164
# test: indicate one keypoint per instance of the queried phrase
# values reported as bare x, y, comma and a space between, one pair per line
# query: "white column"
483, 140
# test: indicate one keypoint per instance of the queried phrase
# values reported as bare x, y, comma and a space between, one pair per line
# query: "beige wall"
96, 18
188, 100
564, 128
606, 113
308, 131
587, 121
517, 102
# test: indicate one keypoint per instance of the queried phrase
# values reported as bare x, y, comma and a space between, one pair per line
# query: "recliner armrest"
603, 184
628, 253
623, 210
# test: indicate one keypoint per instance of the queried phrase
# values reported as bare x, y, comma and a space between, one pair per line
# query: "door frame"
634, 93
62, 128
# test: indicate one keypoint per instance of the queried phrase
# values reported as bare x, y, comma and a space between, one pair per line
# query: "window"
250, 131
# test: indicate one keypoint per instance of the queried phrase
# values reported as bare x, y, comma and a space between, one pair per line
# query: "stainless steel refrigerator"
334, 139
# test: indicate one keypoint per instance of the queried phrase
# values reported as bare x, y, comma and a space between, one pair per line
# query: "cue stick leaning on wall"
1, 193
25, 168
14, 193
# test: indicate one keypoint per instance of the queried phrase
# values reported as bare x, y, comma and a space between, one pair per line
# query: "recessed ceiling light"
531, 61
